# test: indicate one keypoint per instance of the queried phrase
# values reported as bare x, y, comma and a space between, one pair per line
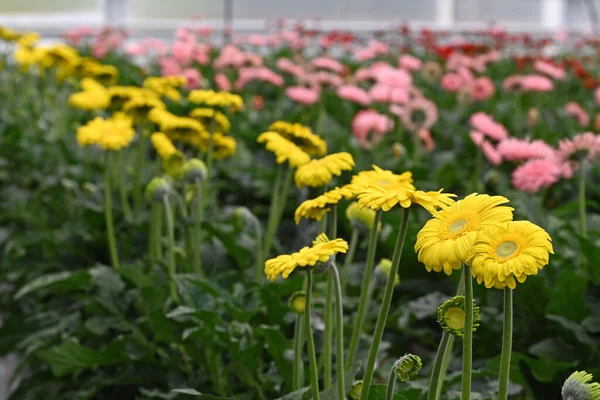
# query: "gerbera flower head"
139, 106
320, 251
418, 114
283, 149
536, 174
407, 367
321, 171
301, 136
513, 149
579, 386
483, 123
113, 133
210, 98
504, 254
316, 208
451, 316
166, 86
207, 116
582, 147
380, 198
446, 239
384, 178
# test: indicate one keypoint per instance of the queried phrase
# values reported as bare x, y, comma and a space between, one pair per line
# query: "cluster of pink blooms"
460, 75
101, 41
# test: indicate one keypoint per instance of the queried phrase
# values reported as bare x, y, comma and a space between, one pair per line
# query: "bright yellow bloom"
206, 116
283, 149
163, 145
90, 100
210, 98
223, 146
111, 134
321, 171
384, 178
321, 250
8, 34
29, 39
106, 74
59, 55
119, 95
317, 207
446, 239
302, 136
27, 57
379, 198
510, 251
185, 129
139, 106
166, 85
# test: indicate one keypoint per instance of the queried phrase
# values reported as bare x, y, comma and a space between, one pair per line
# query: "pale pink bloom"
184, 35
204, 31
354, 94
76, 35
392, 77
452, 82
597, 95
193, 78
374, 49
182, 52
574, 109
388, 94
582, 147
562, 35
99, 50
257, 40
477, 137
536, 83
456, 60
136, 49
535, 174
549, 69
303, 95
418, 114
222, 82
253, 59
230, 56
285, 65
363, 74
482, 88
201, 55
369, 127
328, 63
513, 149
263, 74
159, 46
466, 75
409, 63
329, 79
427, 139
491, 153
512, 83
486, 125
168, 66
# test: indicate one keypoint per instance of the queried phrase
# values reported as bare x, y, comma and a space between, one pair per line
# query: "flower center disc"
506, 249
455, 318
457, 225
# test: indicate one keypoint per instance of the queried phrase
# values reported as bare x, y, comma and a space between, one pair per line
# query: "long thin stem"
108, 216
312, 357
328, 339
155, 231
582, 205
275, 195
140, 158
385, 307
506, 345
298, 360
434, 381
206, 181
389, 393
196, 236
364, 292
468, 334
123, 187
339, 328
477, 171
349, 258
171, 237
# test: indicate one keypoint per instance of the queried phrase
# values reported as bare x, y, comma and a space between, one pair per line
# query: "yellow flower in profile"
185, 129
321, 171
210, 98
379, 198
119, 95
28, 39
223, 146
162, 144
111, 134
27, 57
446, 239
90, 100
59, 54
283, 149
301, 136
108, 75
8, 34
207, 115
166, 85
384, 178
502, 255
320, 251
139, 106
317, 207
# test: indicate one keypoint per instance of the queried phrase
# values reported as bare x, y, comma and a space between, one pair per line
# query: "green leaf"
277, 345
570, 290
427, 305
591, 251
197, 394
575, 328
592, 324
377, 392
63, 280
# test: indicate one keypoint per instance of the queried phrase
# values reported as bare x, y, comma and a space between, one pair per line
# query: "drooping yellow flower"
108, 75
223, 146
446, 239
139, 106
301, 136
320, 251
166, 85
119, 95
379, 198
206, 117
111, 134
210, 98
384, 178
283, 149
321, 171
8, 34
502, 255
317, 207
162, 144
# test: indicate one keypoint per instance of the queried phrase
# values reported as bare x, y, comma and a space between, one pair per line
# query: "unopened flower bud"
578, 387
173, 165
533, 116
464, 96
194, 170
398, 150
451, 316
597, 123
382, 272
356, 390
158, 188
407, 367
297, 302
360, 218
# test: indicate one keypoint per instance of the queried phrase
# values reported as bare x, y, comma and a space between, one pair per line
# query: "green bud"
451, 316
356, 390
173, 165
297, 302
578, 387
360, 218
158, 188
407, 367
382, 272
194, 170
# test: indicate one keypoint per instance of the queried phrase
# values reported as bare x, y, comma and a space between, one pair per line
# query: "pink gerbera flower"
574, 109
354, 94
582, 147
370, 123
482, 88
512, 149
486, 125
536, 174
491, 153
418, 114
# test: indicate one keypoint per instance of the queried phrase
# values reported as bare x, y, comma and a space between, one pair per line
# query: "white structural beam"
445, 13
114, 12
553, 14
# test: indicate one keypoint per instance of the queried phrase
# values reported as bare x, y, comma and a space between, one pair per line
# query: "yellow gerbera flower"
384, 178
206, 115
139, 106
379, 198
283, 149
163, 145
90, 100
210, 98
446, 239
320, 172
301, 136
510, 251
166, 85
119, 95
110, 134
317, 207
321, 250
106, 74
223, 146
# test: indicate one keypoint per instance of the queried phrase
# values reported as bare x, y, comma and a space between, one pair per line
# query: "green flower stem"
123, 187
468, 334
155, 232
206, 181
339, 328
298, 348
110, 230
349, 258
385, 306
436, 374
506, 344
389, 393
275, 196
284, 195
140, 158
328, 339
196, 236
171, 237
312, 357
582, 206
364, 292
477, 172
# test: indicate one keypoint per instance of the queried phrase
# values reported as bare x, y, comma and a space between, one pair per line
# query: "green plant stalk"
582, 205
384, 308
155, 231
108, 215
140, 158
506, 345
364, 292
349, 258
312, 357
215, 363
206, 181
339, 328
171, 237
123, 188
270, 232
298, 361
468, 334
328, 339
196, 236
436, 374
477, 171
389, 393
282, 201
